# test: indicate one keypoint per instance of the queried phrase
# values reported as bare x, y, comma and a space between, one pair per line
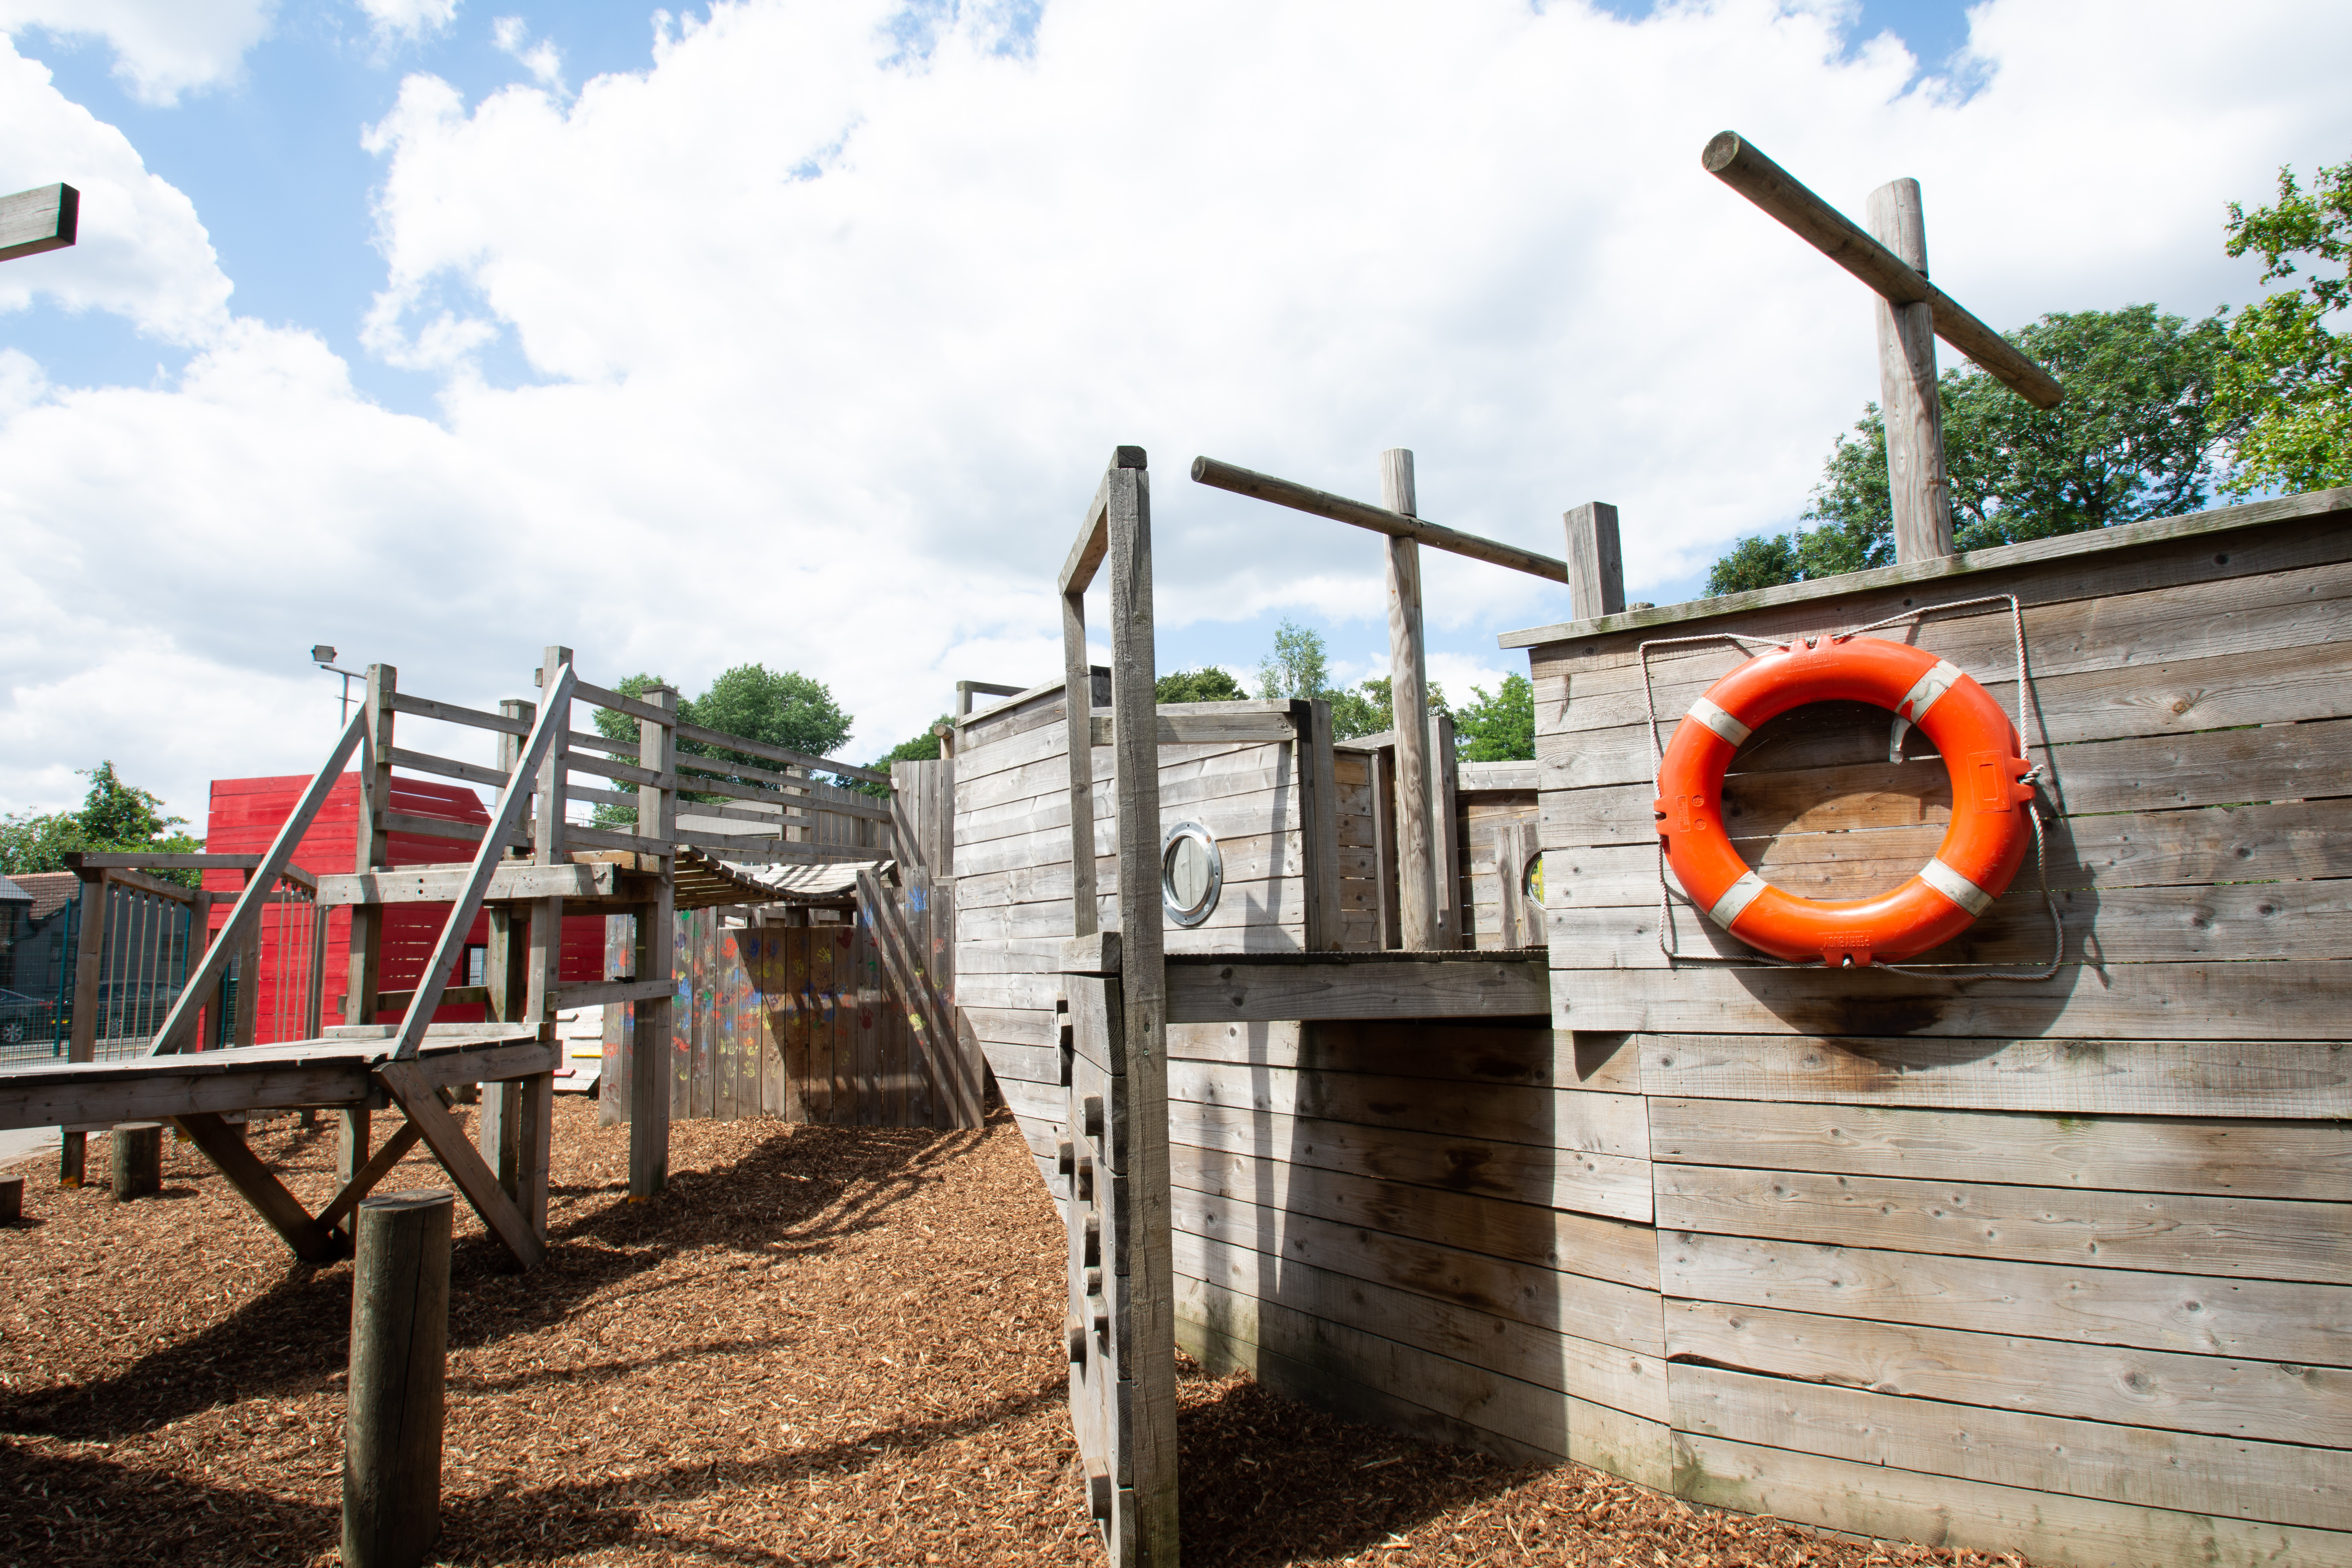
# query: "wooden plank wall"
2058, 1268
1361, 885
794, 1021
1011, 853
1495, 799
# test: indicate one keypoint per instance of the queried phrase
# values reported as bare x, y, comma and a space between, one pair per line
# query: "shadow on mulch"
1266, 1479
790, 1196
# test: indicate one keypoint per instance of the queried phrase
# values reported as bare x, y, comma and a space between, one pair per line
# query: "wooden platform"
330, 1071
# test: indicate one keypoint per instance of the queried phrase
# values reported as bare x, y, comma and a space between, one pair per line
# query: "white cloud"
833, 342
409, 19
161, 48
543, 59
141, 253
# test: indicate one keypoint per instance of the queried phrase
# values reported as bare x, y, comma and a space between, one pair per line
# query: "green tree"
1207, 684
1297, 667
2288, 378
784, 709
115, 816
1498, 729
2139, 435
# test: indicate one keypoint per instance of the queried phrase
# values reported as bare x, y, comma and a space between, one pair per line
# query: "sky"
798, 331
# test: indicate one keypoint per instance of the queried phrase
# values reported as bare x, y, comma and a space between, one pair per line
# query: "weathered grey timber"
1596, 565
1738, 165
1919, 489
400, 1340
137, 1151
1379, 519
45, 218
1417, 873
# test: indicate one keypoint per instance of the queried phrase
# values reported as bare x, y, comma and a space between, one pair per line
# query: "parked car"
24, 1018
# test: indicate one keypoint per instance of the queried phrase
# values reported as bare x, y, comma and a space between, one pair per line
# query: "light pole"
324, 657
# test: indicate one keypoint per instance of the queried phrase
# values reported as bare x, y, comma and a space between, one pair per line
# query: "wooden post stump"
138, 1160
400, 1340
12, 1199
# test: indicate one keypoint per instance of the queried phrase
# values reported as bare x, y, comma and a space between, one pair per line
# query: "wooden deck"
338, 1070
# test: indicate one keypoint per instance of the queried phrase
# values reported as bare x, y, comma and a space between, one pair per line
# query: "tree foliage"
2288, 378
2139, 435
1498, 729
922, 747
115, 816
778, 707
1298, 667
1207, 684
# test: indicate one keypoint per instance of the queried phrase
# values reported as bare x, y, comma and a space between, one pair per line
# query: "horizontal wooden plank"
1567, 1121
1605, 1184
1360, 988
2245, 843
1588, 1245
442, 827
2239, 921
46, 217
1485, 777
611, 993
604, 696
447, 767
451, 713
442, 884
1582, 1369
1196, 729
2222, 1156
2280, 534
2293, 1080
1467, 1052
1525, 1413
1598, 1310
2162, 1389
1252, 857
627, 772
2173, 1233
2264, 1320
578, 837
2063, 1532
2148, 1001
2281, 1483
2156, 772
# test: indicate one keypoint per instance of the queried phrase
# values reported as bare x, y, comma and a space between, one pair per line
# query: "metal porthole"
1192, 873
1532, 880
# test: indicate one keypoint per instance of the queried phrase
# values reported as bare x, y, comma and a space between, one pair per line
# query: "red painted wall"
245, 816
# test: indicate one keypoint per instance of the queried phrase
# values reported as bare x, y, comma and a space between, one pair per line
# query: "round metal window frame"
1532, 877
1208, 904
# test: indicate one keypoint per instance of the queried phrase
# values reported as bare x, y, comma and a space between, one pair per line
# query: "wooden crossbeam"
406, 1083
395, 1148
225, 1146
43, 218
1379, 520
1737, 163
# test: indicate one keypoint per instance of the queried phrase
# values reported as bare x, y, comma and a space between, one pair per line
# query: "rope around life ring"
1981, 850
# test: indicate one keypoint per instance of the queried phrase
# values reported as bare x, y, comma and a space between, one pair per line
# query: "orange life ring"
1981, 850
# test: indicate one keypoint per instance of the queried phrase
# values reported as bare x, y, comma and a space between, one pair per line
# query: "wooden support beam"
1738, 165
406, 1083
1417, 888
512, 880
1379, 519
655, 961
373, 843
81, 1044
362, 1181
45, 218
1596, 566
1917, 489
112, 860
722, 740
225, 1146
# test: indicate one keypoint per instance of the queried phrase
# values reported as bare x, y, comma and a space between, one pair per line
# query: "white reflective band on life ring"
1722, 724
1955, 887
1927, 689
1736, 900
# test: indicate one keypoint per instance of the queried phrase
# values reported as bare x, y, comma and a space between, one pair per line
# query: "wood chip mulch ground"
822, 1345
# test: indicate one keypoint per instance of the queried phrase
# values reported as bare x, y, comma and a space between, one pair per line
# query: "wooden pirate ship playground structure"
1448, 1095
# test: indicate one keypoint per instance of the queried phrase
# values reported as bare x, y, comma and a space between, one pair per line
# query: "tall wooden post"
506, 973
1417, 894
1914, 411
656, 953
1596, 566
89, 954
399, 1344
365, 971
